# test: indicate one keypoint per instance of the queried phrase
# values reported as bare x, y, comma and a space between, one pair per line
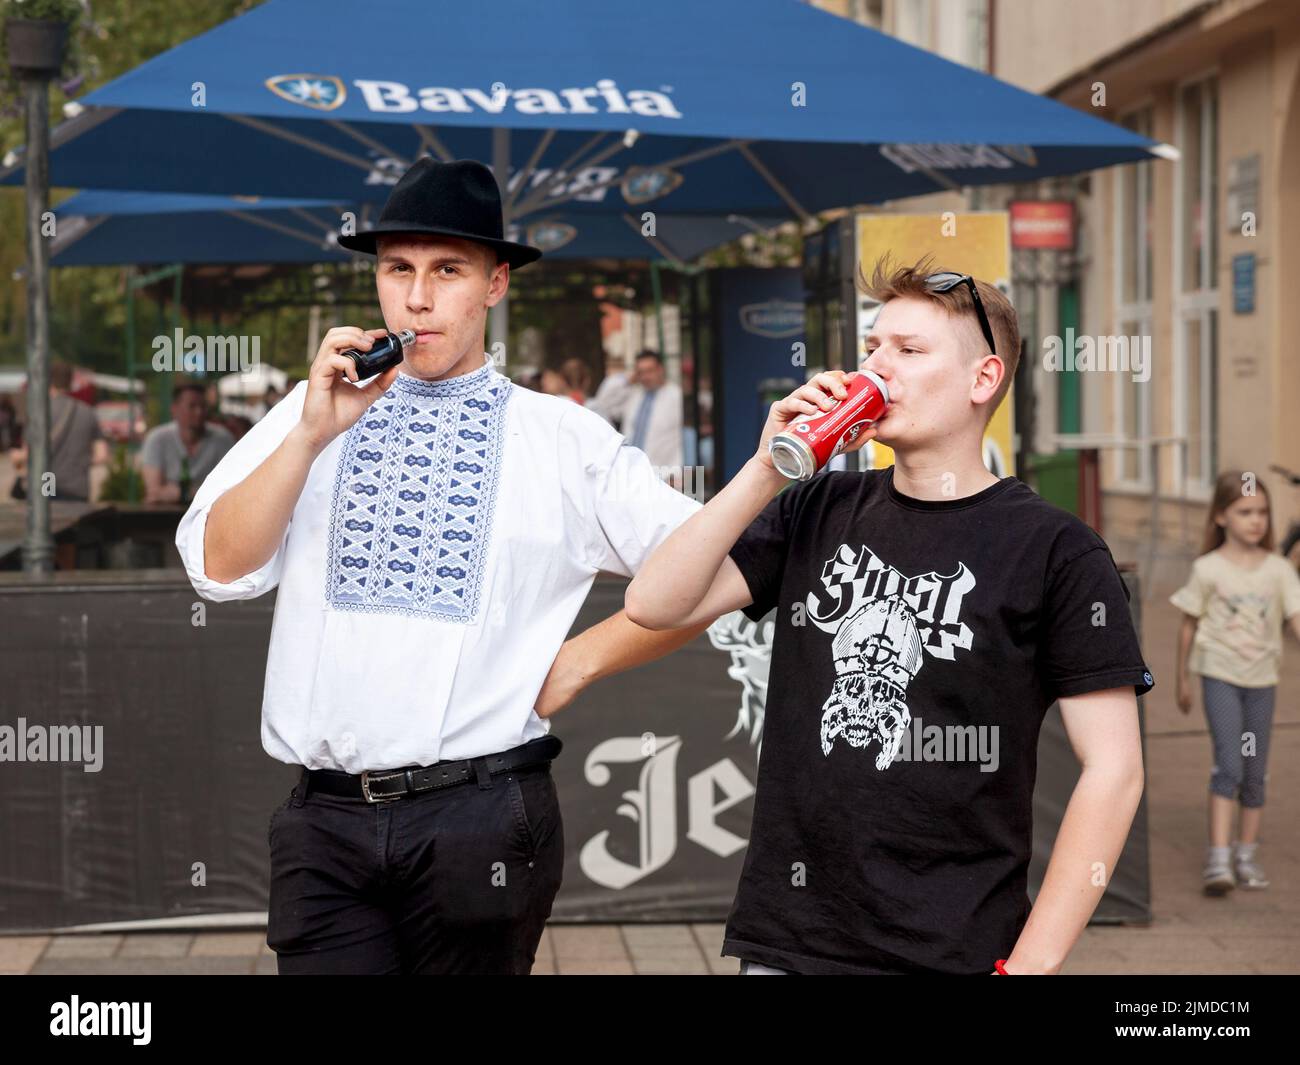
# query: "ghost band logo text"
850, 580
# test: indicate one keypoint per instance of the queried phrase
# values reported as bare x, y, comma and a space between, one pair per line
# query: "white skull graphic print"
884, 624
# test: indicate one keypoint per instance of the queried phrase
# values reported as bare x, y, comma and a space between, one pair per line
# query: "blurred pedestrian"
553, 383
652, 414
577, 379
270, 398
76, 443
236, 425
177, 455
8, 423
612, 393
1234, 604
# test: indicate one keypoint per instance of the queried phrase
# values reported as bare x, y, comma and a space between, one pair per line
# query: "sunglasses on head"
943, 282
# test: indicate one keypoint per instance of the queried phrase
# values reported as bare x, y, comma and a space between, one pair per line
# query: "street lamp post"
35, 50
38, 547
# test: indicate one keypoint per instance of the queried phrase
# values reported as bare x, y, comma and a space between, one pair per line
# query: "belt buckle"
365, 790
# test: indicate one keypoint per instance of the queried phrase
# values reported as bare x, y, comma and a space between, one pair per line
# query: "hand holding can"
819, 395
812, 439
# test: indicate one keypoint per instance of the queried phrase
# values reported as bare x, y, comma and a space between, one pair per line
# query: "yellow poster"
979, 244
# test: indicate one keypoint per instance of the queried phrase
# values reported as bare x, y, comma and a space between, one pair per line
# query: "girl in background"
1234, 603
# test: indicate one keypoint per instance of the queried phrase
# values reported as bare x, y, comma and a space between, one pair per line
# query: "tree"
87, 316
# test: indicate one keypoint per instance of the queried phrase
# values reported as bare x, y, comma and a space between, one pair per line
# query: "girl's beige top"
1241, 611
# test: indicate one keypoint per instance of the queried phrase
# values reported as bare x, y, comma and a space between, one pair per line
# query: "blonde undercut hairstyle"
889, 281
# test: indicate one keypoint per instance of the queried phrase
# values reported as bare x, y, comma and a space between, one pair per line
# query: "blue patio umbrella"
98, 228
757, 107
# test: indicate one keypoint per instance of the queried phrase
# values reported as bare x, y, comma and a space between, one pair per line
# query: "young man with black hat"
928, 614
432, 534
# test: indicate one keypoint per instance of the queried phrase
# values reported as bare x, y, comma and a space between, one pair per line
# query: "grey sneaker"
1217, 878
1249, 874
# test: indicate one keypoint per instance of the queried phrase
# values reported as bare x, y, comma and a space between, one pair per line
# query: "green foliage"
47, 10
121, 475
87, 304
779, 246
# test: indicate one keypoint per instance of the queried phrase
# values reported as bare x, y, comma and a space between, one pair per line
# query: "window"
1134, 187
1198, 185
1196, 298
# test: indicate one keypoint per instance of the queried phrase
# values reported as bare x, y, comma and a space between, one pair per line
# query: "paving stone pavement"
1242, 933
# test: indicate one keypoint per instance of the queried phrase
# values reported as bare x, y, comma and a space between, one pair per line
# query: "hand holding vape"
387, 351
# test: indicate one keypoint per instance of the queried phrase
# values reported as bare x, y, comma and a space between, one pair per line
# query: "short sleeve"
760, 552
151, 449
1290, 590
632, 510
225, 439
1193, 597
1088, 641
244, 456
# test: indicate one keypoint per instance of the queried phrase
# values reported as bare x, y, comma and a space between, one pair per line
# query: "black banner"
152, 793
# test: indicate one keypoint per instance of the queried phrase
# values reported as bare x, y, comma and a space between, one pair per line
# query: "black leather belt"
384, 785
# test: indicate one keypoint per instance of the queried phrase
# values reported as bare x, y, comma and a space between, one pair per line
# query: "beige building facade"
1181, 262
1193, 253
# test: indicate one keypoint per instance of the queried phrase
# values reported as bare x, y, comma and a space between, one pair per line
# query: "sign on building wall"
1243, 284
1042, 224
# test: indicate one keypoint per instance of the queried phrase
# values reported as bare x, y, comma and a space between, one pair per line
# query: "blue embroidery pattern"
414, 496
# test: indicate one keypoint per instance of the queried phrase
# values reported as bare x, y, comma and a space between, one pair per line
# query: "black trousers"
456, 880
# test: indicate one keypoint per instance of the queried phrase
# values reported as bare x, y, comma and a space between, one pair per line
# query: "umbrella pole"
130, 383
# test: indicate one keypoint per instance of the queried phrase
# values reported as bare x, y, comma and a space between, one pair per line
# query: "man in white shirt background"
432, 535
652, 415
611, 395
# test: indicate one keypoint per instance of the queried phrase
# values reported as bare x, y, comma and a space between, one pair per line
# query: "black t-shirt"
939, 631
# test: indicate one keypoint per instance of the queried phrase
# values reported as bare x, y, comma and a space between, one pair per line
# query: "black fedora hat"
456, 199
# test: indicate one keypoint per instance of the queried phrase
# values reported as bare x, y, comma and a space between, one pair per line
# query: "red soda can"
814, 439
